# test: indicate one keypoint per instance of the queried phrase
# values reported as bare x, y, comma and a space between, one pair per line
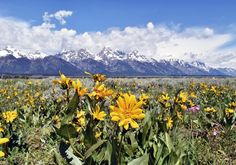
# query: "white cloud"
59, 15
150, 25
156, 41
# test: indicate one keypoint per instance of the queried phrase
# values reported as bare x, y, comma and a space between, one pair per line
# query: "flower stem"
74, 149
67, 95
119, 150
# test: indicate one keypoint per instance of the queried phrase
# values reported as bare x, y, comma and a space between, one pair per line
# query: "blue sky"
99, 15
203, 30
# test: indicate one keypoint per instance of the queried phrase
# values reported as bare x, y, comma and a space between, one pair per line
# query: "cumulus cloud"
59, 16
154, 41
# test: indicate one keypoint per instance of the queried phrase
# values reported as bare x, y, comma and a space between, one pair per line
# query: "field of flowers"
118, 121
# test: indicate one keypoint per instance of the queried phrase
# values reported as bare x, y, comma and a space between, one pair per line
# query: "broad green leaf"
114, 158
134, 143
73, 104
100, 155
159, 152
128, 150
93, 148
89, 134
108, 153
180, 159
168, 142
143, 160
146, 128
67, 131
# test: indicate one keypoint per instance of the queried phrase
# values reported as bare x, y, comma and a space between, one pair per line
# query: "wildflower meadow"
99, 120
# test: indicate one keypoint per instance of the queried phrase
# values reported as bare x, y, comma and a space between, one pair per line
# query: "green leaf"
143, 160
67, 131
159, 152
89, 134
114, 158
93, 148
128, 149
100, 155
57, 158
108, 153
179, 161
146, 128
134, 143
168, 142
73, 104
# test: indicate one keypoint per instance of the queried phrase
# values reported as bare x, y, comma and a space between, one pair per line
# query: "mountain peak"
9, 50
134, 55
200, 64
73, 55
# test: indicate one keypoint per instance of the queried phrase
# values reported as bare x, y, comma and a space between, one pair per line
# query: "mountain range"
107, 61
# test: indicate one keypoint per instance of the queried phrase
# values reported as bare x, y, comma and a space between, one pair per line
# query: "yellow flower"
29, 83
128, 109
56, 121
4, 140
79, 88
193, 95
63, 81
213, 89
100, 91
97, 77
164, 97
169, 122
9, 116
164, 100
232, 104
2, 154
179, 115
183, 107
209, 110
229, 111
144, 97
98, 134
191, 104
80, 118
1, 129
183, 96
192, 84
97, 114
203, 85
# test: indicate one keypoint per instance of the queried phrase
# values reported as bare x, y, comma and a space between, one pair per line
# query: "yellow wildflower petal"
4, 140
115, 118
134, 124
2, 154
126, 126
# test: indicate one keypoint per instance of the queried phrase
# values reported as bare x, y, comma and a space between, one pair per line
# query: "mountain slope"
107, 61
49, 65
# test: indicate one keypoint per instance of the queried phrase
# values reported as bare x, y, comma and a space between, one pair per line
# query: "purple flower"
194, 109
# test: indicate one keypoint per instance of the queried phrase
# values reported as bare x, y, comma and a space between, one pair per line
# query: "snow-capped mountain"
107, 61
11, 51
8, 50
73, 56
107, 55
200, 65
